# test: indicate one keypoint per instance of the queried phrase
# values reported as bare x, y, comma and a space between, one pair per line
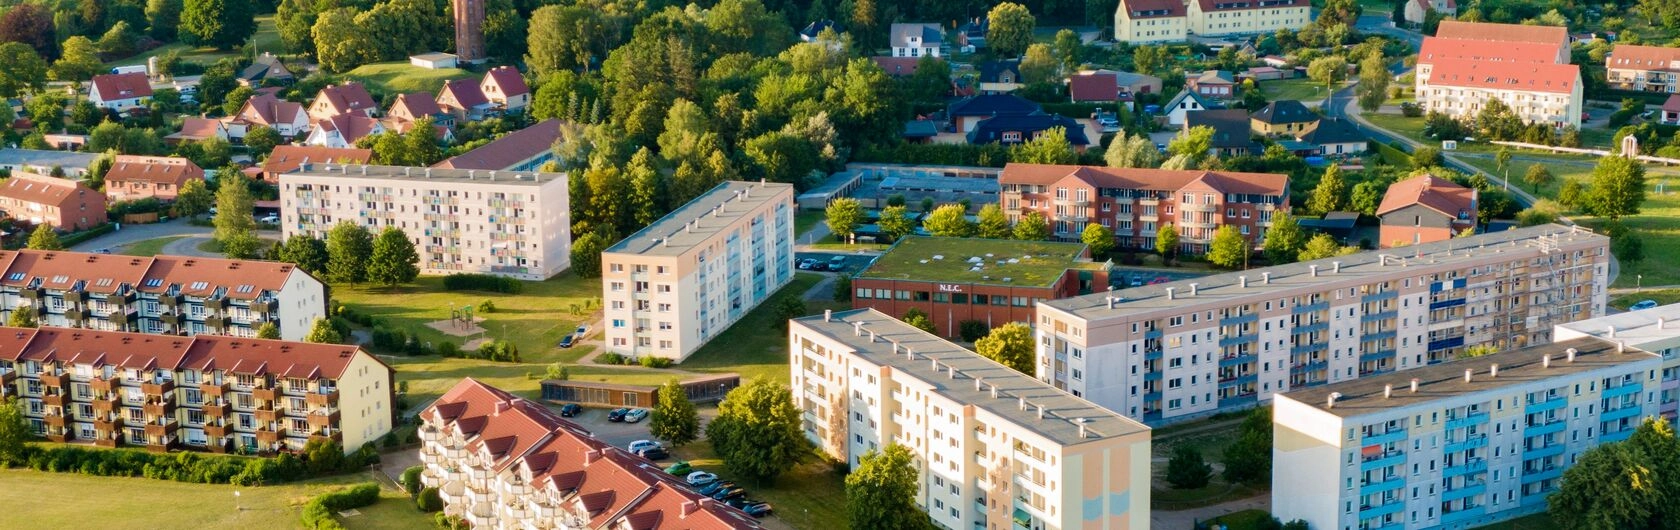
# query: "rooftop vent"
1192, 289
1242, 281
1330, 403
1414, 385
1546, 361
828, 315
1313, 269
1493, 370
1265, 278
1336, 267
1169, 293
1468, 374
1571, 354
1388, 391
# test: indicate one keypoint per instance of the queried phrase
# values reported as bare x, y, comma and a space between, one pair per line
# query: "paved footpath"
1186, 519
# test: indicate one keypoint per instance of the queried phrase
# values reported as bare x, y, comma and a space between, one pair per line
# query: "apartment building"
1173, 351
501, 461
1150, 21
1526, 67
223, 394
1461, 444
1209, 18
1643, 68
138, 177
175, 295
670, 287
515, 224
993, 448
1138, 203
1656, 330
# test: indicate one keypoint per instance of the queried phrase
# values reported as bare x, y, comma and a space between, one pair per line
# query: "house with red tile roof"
120, 92
415, 105
1643, 68
1095, 87
288, 158
63, 204
343, 130
505, 87
285, 117
138, 177
162, 392
1425, 209
1209, 18
348, 98
522, 150
1671, 110
199, 129
502, 461
465, 99
1417, 10
897, 66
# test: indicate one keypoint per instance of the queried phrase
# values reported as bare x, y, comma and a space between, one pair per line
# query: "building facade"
916, 39
501, 461
511, 224
1209, 18
1150, 21
1425, 209
670, 287
1179, 350
1457, 445
1465, 64
221, 394
1656, 330
1139, 203
1643, 68
140, 177
120, 92
993, 448
64, 204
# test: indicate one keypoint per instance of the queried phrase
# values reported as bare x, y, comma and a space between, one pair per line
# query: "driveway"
130, 234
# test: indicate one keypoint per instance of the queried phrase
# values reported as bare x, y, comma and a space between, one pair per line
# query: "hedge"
179, 467
429, 500
482, 282
79, 237
411, 480
317, 513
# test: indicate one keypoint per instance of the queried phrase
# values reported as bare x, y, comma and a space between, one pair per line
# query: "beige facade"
1179, 350
1209, 18
681, 281
1558, 105
1147, 21
1643, 68
993, 447
515, 224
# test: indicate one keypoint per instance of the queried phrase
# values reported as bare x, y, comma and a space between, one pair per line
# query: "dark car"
741, 503
762, 509
617, 414
566, 341
730, 493
819, 266
715, 487
570, 409
656, 453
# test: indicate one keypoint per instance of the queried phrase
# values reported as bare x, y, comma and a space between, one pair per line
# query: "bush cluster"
179, 467
317, 513
495, 350
482, 282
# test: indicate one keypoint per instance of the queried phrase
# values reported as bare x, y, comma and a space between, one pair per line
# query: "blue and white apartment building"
1460, 444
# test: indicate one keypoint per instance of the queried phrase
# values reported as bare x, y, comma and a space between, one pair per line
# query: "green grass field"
1537, 521
534, 319
1408, 127
267, 39
149, 247
1662, 296
757, 345
400, 77
61, 500
1303, 89
810, 495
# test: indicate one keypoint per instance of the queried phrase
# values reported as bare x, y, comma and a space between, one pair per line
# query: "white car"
270, 218
701, 478
640, 445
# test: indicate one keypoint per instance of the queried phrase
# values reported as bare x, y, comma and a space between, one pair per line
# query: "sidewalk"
1186, 519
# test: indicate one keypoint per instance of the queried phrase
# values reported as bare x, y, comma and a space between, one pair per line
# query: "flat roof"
975, 260
428, 174
1062, 411
1634, 327
940, 183
1440, 381
700, 219
47, 158
1355, 268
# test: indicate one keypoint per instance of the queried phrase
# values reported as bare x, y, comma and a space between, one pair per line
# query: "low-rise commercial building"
1462, 444
992, 447
515, 224
670, 287
1178, 350
501, 461
221, 394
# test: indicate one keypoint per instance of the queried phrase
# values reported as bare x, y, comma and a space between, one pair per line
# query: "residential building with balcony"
994, 281
1465, 64
172, 295
1138, 203
514, 224
501, 461
1643, 68
1180, 350
221, 394
992, 447
138, 177
670, 287
1150, 21
1462, 444
1656, 330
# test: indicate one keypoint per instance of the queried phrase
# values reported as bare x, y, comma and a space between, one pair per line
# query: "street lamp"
1638, 282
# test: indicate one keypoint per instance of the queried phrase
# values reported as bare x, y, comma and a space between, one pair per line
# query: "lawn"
811, 495
808, 219
267, 39
149, 247
1662, 296
757, 345
1210, 437
1658, 222
534, 319
1303, 89
1537, 521
1409, 127
60, 500
400, 77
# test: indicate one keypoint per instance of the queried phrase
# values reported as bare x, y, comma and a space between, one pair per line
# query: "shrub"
449, 349
429, 500
487, 306
610, 358
1411, 110
482, 282
655, 362
180, 467
972, 330
317, 513
411, 480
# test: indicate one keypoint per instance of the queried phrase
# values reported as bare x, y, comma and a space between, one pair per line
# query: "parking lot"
850, 263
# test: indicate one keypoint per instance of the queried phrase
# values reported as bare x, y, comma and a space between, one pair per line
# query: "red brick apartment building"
1136, 203
995, 281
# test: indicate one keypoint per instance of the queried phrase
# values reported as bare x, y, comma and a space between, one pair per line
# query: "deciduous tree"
1329, 71
1249, 459
918, 319
322, 332
758, 432
44, 238
233, 208
1131, 151
950, 220
163, 19
1374, 79
193, 199
15, 435
1331, 193
993, 223
844, 215
1186, 469
80, 61
1051, 147
268, 331
586, 255
394, 260
896, 222
31, 24
1010, 345
1099, 239
21, 69
23, 318
1618, 188
1032, 227
1166, 242
1229, 248
674, 418
881, 492
224, 24
1319, 247
348, 247
1009, 29
1538, 177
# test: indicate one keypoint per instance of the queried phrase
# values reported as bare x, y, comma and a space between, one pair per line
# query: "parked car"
1643, 304
805, 264
700, 478
715, 487
635, 415
729, 494
270, 218
654, 453
741, 503
680, 468
582, 329
617, 414
640, 445
570, 409
819, 266
836, 263
762, 509
566, 341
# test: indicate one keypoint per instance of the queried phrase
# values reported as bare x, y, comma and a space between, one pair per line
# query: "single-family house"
1136, 83
1284, 117
1012, 129
998, 77
342, 99
965, 114
1093, 88
465, 99
435, 60
443, 134
199, 129
139, 177
415, 105
285, 117
505, 88
1230, 131
61, 203
1185, 103
1216, 84
265, 68
1335, 137
1425, 209
522, 150
343, 130
916, 39
1671, 110
1418, 10
120, 92
971, 35
288, 158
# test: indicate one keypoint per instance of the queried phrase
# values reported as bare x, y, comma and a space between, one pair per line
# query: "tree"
1051, 147
896, 222
30, 24
340, 45
950, 220
220, 23
1194, 144
268, 331
1166, 242
1374, 78
1427, 157
586, 255
1249, 459
881, 492
1067, 48
235, 100
1098, 238
193, 199
1131, 151
261, 139
1331, 193
1039, 65
1616, 485
348, 246
758, 431
1229, 248
674, 418
1628, 247
993, 223
1571, 194
21, 69
1010, 345
163, 19
118, 41
842, 287
1148, 59
1618, 188
15, 435
44, 238
1538, 177
233, 208
1032, 227
322, 332
1502, 160
647, 195
844, 215
788, 308
294, 19
1367, 197
394, 260
23, 317
565, 38
1328, 70
1186, 470
1319, 247
918, 319
80, 61
1009, 29
245, 245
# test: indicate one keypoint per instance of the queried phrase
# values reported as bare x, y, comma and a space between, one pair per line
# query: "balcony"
216, 322
105, 404
57, 380
75, 315
335, 436
267, 435
1385, 438
267, 415
101, 385
217, 409
55, 421
107, 423
266, 394
56, 400
319, 420
170, 319
212, 391
263, 308
323, 399
157, 389
217, 431
159, 408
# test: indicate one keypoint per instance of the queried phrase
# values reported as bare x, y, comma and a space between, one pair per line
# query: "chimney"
1331, 402
934, 364
1612, 332
857, 328
1265, 278
688, 508
591, 456
828, 315
1021, 401
1313, 269
1242, 281
1493, 371
894, 345
1546, 361
1336, 267
1081, 422
1169, 293
910, 354
1468, 373
1388, 391
1192, 289
1041, 412
1621, 347
1661, 322
1571, 353
1414, 385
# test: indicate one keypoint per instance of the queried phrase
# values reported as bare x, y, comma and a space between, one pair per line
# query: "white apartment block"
1174, 351
993, 448
1466, 64
670, 287
1656, 330
1456, 445
1209, 18
514, 224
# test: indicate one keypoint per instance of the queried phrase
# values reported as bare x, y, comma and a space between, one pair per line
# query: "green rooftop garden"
948, 259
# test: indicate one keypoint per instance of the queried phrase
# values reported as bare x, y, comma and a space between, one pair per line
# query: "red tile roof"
508, 79
1644, 58
348, 97
1094, 87
153, 169
509, 150
111, 87
193, 276
1139, 9
97, 273
1210, 6
1488, 31
1436, 48
42, 189
287, 158
1146, 179
109, 273
416, 105
613, 487
897, 66
464, 93
144, 351
350, 127
1529, 77
200, 129
1673, 103
1432, 192
266, 109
